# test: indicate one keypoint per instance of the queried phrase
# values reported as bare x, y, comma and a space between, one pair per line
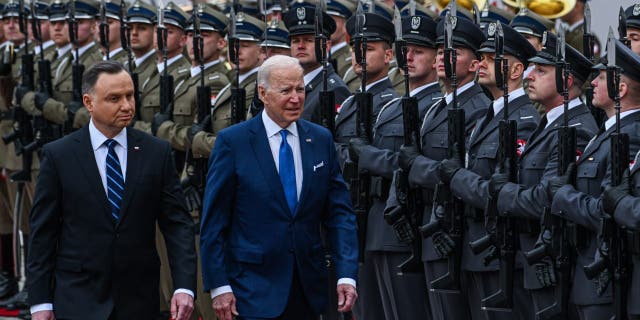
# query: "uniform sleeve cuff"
181, 290
347, 281
220, 290
41, 307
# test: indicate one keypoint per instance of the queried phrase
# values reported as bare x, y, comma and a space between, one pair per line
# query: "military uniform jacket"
471, 184
628, 213
312, 94
435, 142
397, 79
382, 93
185, 105
351, 80
221, 115
145, 71
581, 204
121, 56
537, 164
341, 60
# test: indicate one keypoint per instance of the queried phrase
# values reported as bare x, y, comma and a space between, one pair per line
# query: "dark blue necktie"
288, 172
115, 180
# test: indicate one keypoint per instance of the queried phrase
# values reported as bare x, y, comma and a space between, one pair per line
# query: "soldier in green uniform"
141, 17
276, 40
175, 20
340, 57
249, 30
213, 24
112, 13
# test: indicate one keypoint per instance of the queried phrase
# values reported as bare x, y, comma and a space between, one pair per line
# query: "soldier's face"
142, 36
542, 85
59, 33
176, 40
466, 64
44, 29
536, 42
633, 35
600, 94
212, 43
303, 48
86, 31
486, 70
284, 99
111, 104
114, 32
249, 56
420, 61
379, 55
341, 29
12, 30
268, 52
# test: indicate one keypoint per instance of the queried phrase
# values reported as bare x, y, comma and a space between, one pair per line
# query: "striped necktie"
115, 180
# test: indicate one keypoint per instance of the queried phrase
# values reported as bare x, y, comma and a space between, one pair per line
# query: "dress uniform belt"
633, 239
379, 187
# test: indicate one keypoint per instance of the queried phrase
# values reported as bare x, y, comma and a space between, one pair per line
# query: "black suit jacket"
83, 262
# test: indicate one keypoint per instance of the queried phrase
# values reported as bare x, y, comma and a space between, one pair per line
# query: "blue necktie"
288, 172
115, 180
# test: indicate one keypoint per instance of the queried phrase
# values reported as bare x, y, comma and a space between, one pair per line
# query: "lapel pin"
318, 166
136, 148
308, 140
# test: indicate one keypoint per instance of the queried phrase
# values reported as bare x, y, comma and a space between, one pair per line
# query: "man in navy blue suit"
272, 182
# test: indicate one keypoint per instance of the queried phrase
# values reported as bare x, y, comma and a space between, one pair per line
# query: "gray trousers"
444, 305
368, 306
596, 311
482, 284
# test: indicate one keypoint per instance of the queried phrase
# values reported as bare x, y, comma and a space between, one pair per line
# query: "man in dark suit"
100, 193
272, 182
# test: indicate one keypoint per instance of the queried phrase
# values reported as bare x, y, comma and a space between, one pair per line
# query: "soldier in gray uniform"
112, 13
632, 13
470, 181
423, 168
404, 296
141, 18
581, 204
623, 201
301, 24
340, 57
538, 160
379, 33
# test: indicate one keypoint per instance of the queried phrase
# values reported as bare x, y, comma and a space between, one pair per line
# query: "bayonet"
104, 28
372, 6
477, 14
622, 28
453, 8
412, 8
587, 18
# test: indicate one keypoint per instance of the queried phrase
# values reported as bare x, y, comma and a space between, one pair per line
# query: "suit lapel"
134, 161
262, 152
87, 162
306, 154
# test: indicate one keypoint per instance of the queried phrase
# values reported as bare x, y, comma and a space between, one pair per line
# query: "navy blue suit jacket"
250, 239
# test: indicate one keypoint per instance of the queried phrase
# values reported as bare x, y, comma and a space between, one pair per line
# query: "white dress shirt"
100, 151
556, 112
293, 139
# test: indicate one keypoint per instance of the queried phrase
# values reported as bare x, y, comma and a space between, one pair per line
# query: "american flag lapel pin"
136, 148
308, 140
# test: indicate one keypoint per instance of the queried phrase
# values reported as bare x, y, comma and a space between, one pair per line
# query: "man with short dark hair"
100, 193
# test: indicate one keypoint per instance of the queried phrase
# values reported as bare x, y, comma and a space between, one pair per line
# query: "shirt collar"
611, 121
4, 44
169, 62
196, 70
82, 50
140, 61
575, 25
113, 52
309, 76
273, 128
45, 46
246, 75
556, 112
368, 87
63, 50
338, 46
98, 138
498, 104
449, 96
419, 89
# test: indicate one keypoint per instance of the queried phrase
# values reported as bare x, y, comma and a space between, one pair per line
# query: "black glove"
73, 107
407, 156
356, 145
545, 273
448, 168
158, 119
192, 197
443, 244
40, 99
499, 178
602, 281
558, 182
20, 92
613, 195
197, 127
401, 226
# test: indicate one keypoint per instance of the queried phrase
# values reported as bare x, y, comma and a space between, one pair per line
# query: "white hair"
276, 62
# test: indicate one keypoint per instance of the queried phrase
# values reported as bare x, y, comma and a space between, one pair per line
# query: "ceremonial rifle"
125, 43
614, 254
622, 28
588, 42
406, 219
166, 79
77, 69
327, 98
104, 28
238, 93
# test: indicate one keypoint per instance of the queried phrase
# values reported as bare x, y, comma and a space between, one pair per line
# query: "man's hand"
499, 178
443, 244
347, 296
407, 156
197, 127
225, 306
21, 91
556, 183
356, 145
545, 273
40, 99
43, 315
448, 168
613, 195
181, 306
158, 120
